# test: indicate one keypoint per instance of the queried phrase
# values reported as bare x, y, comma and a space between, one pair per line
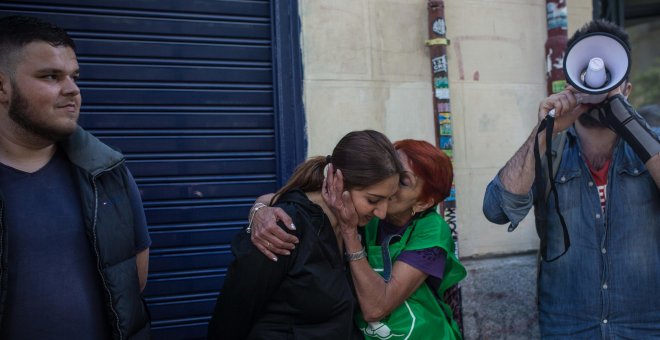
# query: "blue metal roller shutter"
197, 95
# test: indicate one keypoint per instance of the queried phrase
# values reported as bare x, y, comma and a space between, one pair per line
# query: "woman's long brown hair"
364, 158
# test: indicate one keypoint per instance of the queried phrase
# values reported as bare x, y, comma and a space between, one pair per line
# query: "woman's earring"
413, 212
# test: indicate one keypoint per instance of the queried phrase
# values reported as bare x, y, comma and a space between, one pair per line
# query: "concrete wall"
366, 66
497, 77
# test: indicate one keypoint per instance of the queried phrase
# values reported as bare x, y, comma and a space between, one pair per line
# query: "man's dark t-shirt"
54, 289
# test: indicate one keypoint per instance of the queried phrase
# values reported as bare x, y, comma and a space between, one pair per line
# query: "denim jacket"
606, 285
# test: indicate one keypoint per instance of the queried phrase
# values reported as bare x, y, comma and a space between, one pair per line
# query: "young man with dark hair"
608, 185
74, 246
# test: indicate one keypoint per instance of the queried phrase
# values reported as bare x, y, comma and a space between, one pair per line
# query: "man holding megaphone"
599, 219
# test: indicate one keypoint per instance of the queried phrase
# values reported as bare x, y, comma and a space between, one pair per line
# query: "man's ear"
627, 88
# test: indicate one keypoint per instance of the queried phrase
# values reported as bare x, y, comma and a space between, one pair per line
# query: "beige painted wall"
366, 66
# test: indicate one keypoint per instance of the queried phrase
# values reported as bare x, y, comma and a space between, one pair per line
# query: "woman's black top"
306, 295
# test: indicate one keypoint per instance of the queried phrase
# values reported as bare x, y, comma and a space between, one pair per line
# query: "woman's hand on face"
338, 200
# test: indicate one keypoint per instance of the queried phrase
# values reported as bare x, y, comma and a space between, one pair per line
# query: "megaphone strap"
541, 199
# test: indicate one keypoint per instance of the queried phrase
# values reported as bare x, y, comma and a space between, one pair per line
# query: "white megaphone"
594, 65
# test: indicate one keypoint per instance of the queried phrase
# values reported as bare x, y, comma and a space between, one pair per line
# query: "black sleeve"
251, 280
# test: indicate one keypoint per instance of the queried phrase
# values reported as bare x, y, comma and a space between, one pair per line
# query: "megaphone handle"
628, 124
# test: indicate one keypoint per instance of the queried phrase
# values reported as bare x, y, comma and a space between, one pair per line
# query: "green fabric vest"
422, 315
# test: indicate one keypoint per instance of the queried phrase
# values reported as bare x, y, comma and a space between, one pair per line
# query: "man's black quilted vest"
102, 181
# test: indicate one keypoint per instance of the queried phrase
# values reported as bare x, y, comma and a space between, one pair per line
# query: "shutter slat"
185, 90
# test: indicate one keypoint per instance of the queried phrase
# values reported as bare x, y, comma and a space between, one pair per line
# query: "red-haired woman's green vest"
422, 315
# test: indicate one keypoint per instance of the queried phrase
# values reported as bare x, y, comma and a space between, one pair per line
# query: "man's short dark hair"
16, 31
601, 26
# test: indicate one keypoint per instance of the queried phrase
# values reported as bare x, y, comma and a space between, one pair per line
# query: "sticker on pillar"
452, 194
450, 203
558, 86
557, 15
444, 107
442, 93
439, 26
446, 142
439, 64
444, 118
445, 129
449, 152
440, 82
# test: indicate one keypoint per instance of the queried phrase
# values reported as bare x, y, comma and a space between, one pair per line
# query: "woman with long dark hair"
307, 295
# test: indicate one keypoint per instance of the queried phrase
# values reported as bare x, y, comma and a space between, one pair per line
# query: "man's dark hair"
601, 26
16, 31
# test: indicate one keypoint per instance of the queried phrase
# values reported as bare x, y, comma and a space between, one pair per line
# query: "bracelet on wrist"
358, 255
253, 211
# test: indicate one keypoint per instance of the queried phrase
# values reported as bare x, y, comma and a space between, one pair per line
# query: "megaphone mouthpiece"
595, 76
596, 64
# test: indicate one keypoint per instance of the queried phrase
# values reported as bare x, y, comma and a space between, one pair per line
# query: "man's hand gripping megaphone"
611, 108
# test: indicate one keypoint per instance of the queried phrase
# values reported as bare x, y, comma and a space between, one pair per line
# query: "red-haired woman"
410, 259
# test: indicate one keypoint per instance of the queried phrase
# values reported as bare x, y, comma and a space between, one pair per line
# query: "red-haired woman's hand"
339, 201
268, 237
